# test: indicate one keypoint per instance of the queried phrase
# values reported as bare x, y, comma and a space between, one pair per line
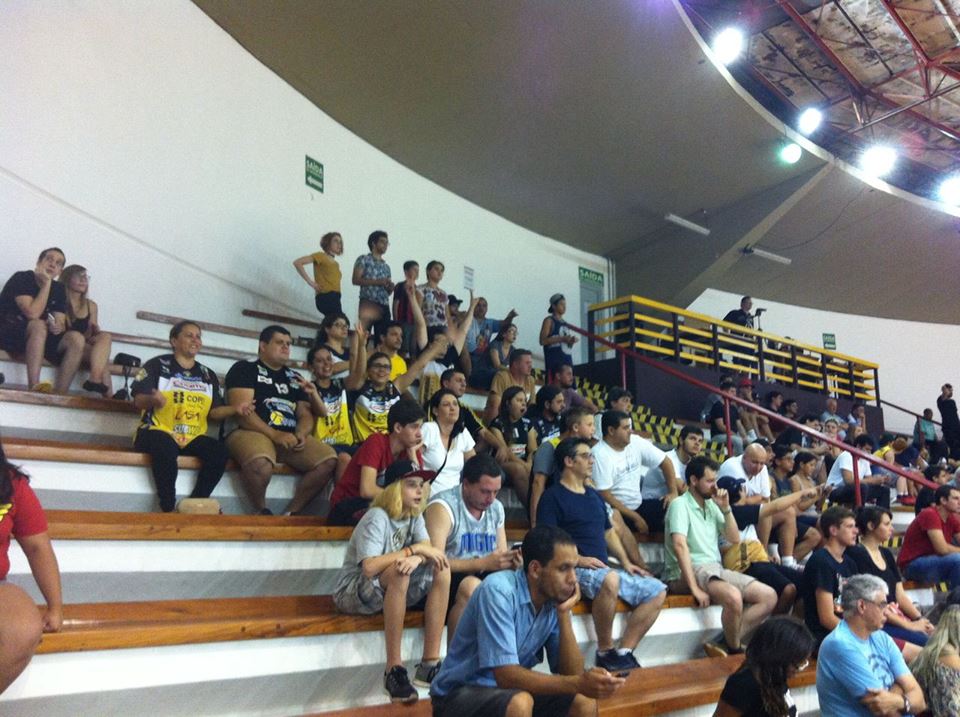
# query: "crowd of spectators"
419, 479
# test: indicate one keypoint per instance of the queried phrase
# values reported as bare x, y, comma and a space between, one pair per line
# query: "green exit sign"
830, 341
314, 174
589, 276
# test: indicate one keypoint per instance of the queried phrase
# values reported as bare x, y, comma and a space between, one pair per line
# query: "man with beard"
694, 523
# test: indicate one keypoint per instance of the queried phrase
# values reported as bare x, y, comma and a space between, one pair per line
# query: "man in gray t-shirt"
467, 523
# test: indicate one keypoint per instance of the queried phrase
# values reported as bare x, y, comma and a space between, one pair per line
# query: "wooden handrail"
214, 328
280, 319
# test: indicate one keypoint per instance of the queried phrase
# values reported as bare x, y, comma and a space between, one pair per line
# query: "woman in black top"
82, 317
904, 621
780, 648
513, 427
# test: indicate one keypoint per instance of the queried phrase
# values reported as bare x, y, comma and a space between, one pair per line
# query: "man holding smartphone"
467, 523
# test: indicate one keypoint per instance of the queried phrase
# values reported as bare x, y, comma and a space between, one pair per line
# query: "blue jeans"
913, 636
935, 569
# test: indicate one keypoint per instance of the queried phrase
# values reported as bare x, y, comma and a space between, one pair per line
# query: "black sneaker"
397, 684
614, 662
425, 674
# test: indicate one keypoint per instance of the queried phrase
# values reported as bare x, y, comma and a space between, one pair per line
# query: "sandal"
42, 387
92, 387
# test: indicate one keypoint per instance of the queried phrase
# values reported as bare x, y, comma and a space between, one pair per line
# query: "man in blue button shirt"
510, 619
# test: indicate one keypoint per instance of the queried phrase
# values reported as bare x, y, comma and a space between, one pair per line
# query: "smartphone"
516, 546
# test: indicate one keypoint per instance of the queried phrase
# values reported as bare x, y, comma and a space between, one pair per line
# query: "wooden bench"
650, 691
112, 525
121, 625
303, 341
20, 394
35, 449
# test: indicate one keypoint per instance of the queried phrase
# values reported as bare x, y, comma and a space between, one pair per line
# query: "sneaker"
397, 684
614, 662
906, 500
93, 387
265, 511
425, 674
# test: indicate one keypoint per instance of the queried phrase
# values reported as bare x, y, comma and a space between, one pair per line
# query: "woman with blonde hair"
82, 316
389, 566
937, 668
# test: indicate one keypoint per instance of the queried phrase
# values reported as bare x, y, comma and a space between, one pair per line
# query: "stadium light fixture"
949, 191
878, 160
728, 45
790, 153
809, 120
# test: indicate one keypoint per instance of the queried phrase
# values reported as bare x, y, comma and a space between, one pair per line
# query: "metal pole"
726, 422
858, 500
623, 371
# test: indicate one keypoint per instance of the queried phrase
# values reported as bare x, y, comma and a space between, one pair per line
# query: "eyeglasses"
380, 366
588, 455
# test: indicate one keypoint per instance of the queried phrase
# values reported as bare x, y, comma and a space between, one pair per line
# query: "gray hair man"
860, 670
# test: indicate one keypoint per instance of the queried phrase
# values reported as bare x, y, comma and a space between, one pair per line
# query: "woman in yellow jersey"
178, 395
370, 400
326, 273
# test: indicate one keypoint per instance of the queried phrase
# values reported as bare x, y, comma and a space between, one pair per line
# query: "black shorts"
13, 339
776, 576
651, 510
746, 515
473, 701
805, 523
328, 303
455, 580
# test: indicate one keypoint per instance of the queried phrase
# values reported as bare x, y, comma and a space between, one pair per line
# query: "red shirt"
916, 542
21, 518
373, 452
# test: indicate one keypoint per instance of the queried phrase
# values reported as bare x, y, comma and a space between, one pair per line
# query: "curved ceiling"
587, 123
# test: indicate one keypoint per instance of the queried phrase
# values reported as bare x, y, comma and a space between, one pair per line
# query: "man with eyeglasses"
575, 507
860, 670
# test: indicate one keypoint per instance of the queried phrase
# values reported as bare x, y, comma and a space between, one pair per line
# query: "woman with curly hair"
21, 625
780, 648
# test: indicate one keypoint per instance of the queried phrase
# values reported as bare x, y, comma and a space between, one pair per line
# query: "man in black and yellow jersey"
178, 395
280, 427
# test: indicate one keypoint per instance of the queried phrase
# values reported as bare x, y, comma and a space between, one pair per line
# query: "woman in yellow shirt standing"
326, 273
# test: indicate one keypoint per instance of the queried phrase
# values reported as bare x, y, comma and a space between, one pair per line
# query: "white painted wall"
915, 358
157, 152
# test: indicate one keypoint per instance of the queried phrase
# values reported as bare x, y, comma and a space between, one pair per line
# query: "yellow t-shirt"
190, 394
398, 366
326, 272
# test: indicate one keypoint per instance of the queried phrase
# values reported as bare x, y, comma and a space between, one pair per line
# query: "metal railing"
727, 398
671, 333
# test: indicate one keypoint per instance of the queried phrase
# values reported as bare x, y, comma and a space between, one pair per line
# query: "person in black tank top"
82, 317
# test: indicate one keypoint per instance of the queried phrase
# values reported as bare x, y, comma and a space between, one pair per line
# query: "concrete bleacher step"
690, 688
278, 637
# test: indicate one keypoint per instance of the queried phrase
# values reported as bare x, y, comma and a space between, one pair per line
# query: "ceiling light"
949, 191
764, 254
809, 120
687, 224
790, 153
878, 160
728, 44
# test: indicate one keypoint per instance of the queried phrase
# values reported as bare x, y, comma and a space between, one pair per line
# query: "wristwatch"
906, 706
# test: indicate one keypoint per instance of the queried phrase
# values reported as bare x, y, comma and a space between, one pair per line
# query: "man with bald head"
747, 480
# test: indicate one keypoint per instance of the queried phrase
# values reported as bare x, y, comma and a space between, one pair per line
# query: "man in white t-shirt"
873, 488
689, 447
467, 524
622, 460
747, 480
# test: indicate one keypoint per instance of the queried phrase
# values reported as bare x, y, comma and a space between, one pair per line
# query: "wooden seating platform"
69, 452
649, 691
90, 402
121, 625
112, 525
